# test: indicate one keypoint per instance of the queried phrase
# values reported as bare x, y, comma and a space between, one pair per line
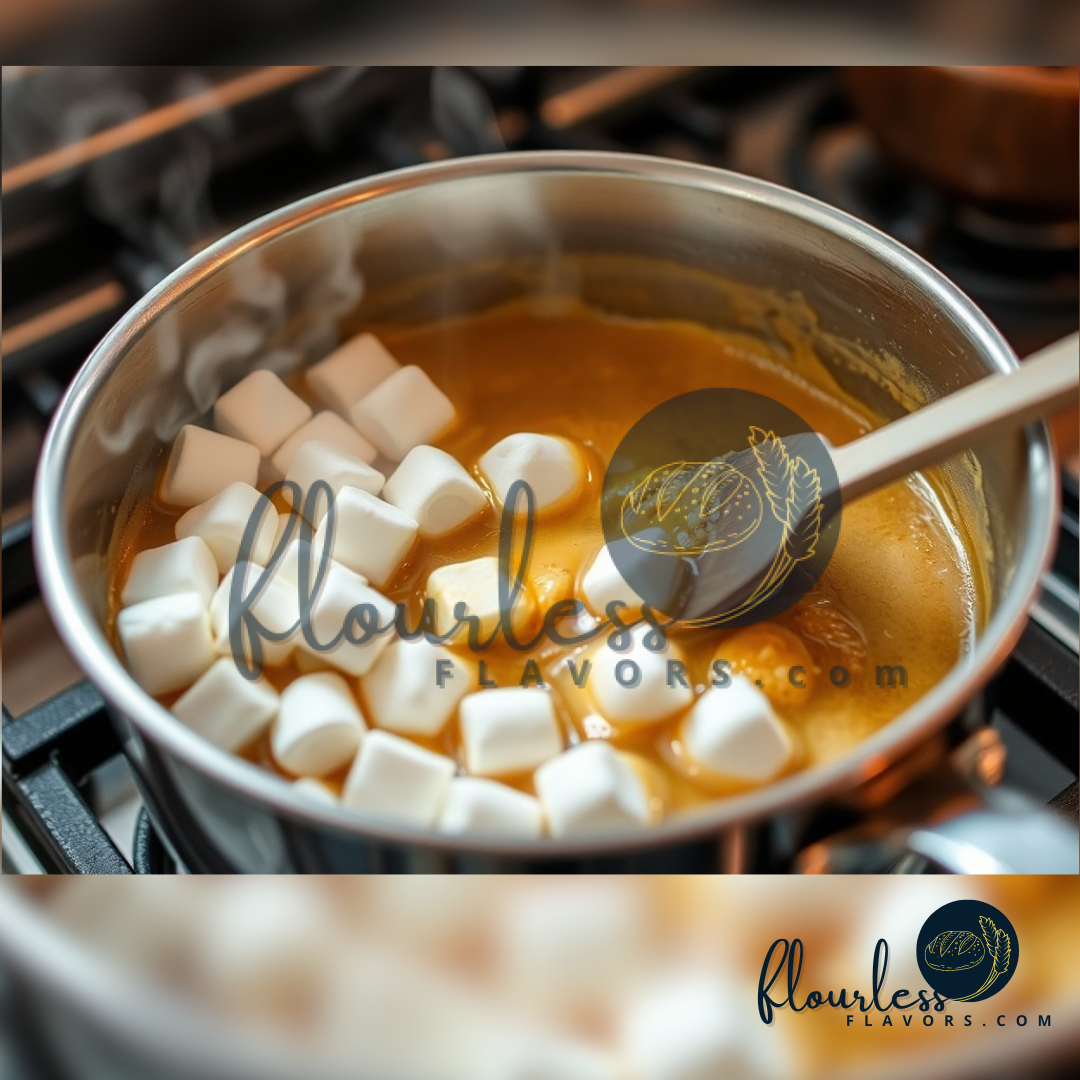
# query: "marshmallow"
287, 568
202, 463
397, 779
431, 487
509, 730
660, 576
226, 708
371, 537
733, 730
261, 950
315, 790
639, 686
287, 565
183, 566
590, 788
552, 468
476, 584
572, 946
326, 427
340, 469
690, 1027
261, 410
404, 411
223, 520
343, 591
447, 910
388, 1010
485, 806
277, 608
602, 583
351, 371
166, 641
415, 687
318, 727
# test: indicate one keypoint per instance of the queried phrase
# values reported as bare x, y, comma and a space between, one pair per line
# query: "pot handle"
1009, 834
957, 823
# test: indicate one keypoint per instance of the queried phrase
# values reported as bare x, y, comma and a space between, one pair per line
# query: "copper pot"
1001, 136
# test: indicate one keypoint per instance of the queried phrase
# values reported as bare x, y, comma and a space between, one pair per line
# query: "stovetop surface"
112, 177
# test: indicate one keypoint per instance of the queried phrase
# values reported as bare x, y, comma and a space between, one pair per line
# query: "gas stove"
112, 177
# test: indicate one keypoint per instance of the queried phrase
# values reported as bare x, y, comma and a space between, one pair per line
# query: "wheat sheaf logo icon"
691, 508
961, 950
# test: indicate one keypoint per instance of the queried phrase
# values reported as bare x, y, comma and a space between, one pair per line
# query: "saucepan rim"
88, 644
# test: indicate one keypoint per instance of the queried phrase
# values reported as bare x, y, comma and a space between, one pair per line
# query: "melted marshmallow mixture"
420, 432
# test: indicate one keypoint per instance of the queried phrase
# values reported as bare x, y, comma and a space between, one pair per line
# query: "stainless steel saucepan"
636, 235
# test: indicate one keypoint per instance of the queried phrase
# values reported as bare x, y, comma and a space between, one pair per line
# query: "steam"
283, 307
318, 102
463, 114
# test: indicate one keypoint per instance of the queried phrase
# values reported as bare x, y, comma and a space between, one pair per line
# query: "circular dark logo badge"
967, 950
721, 507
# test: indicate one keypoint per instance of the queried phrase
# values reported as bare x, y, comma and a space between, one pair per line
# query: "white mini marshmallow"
690, 1027
569, 946
277, 608
227, 708
166, 641
261, 410
342, 591
183, 566
509, 730
451, 909
603, 582
260, 950
287, 568
431, 486
639, 686
415, 687
403, 411
325, 427
733, 730
202, 463
351, 371
318, 727
337, 467
474, 806
552, 467
395, 778
371, 537
591, 788
476, 584
222, 521
315, 790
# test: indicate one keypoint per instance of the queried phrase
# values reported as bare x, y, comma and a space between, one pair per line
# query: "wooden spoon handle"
1045, 382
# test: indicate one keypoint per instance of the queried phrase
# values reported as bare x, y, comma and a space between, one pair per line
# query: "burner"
149, 854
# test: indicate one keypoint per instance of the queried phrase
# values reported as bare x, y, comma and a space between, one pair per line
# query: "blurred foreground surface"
513, 979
